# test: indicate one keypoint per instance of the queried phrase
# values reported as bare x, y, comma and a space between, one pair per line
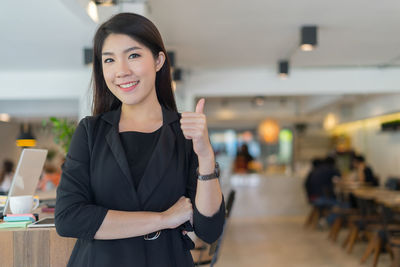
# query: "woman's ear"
160, 60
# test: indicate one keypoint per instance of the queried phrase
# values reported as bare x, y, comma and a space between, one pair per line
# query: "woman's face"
129, 69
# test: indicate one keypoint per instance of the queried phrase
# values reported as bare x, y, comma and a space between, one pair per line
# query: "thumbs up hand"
194, 127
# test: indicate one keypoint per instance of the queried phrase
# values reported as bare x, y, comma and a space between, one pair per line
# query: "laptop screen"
27, 174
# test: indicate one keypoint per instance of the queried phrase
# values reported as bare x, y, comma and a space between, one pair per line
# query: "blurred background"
285, 82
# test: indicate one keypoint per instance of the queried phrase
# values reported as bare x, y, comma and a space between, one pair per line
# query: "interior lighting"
91, 9
308, 38
283, 71
259, 101
25, 137
225, 114
269, 131
371, 123
4, 117
330, 121
286, 135
105, 2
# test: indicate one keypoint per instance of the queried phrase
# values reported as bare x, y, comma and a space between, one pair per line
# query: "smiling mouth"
128, 86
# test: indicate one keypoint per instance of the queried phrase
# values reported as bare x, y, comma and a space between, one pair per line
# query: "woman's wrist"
206, 164
164, 220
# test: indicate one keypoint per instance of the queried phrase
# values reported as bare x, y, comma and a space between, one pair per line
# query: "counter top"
34, 247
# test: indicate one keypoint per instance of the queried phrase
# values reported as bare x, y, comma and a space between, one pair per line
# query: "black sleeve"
206, 228
76, 214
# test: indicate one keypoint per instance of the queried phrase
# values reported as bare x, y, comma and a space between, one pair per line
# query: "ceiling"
50, 34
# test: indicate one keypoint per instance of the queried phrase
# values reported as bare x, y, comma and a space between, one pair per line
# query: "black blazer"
96, 177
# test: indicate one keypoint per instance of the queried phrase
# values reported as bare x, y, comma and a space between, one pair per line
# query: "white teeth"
129, 84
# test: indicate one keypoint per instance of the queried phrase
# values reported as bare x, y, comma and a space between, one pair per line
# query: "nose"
123, 69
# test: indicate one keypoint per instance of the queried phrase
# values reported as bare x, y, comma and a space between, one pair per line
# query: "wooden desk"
34, 247
389, 198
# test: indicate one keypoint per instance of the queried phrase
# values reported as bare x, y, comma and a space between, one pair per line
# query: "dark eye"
108, 60
134, 55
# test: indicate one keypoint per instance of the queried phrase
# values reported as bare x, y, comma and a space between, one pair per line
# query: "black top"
138, 149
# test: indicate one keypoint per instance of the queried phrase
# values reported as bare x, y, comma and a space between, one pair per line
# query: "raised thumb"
200, 106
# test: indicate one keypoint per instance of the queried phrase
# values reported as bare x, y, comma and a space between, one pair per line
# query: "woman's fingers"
192, 115
192, 126
193, 134
193, 121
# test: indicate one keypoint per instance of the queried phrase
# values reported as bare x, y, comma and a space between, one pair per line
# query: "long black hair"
143, 31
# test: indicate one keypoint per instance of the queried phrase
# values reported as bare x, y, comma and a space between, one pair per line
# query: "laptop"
27, 174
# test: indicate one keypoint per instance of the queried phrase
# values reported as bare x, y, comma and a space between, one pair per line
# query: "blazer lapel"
114, 142
160, 158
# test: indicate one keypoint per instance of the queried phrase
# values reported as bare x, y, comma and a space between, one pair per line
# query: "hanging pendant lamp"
25, 137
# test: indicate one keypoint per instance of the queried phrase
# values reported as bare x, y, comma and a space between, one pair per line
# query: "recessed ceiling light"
4, 117
283, 71
308, 38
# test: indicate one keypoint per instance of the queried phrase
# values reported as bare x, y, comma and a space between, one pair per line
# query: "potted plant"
62, 130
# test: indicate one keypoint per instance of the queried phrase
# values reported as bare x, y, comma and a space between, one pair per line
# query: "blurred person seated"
320, 190
242, 160
50, 178
320, 183
364, 172
6, 176
311, 193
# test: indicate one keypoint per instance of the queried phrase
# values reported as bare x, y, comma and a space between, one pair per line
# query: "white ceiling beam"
315, 103
264, 81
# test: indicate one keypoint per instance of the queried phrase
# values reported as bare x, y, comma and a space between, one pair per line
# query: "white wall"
378, 106
45, 85
8, 134
381, 149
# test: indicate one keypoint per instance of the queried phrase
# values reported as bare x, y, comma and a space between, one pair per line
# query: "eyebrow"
125, 51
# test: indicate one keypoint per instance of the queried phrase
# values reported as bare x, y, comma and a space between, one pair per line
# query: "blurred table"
45, 195
389, 198
34, 247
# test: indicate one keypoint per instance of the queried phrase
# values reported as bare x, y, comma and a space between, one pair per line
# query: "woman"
129, 189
